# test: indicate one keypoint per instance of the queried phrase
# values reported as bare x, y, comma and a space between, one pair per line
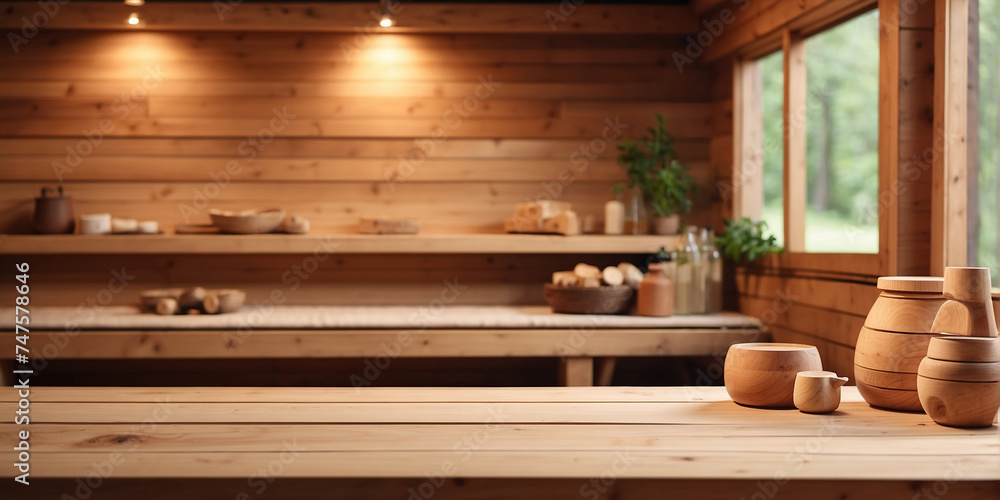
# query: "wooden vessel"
763, 374
969, 309
958, 391
895, 338
817, 391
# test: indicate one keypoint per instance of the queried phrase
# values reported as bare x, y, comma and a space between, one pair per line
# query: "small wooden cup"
817, 391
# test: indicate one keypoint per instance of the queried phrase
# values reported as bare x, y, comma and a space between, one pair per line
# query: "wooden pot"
817, 392
959, 404
763, 374
969, 309
884, 379
962, 348
891, 399
891, 352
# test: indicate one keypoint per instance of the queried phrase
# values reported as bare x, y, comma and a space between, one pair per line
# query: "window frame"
747, 141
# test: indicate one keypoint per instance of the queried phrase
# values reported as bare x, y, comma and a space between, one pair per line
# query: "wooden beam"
950, 211
795, 141
748, 140
888, 138
576, 372
363, 17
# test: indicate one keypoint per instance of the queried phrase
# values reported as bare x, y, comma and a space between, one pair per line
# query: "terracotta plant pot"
670, 224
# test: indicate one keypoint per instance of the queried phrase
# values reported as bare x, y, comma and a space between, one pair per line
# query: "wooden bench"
594, 442
382, 333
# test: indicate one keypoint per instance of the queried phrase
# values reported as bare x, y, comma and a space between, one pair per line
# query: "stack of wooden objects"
555, 217
929, 344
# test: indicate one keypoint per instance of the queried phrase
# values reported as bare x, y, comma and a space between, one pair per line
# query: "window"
811, 121
984, 123
842, 137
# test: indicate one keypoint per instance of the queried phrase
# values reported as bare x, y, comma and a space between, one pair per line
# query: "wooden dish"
893, 399
150, 298
248, 221
894, 313
961, 348
223, 301
891, 352
959, 404
593, 300
884, 379
959, 371
763, 374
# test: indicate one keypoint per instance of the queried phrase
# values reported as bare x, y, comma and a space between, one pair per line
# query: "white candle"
614, 217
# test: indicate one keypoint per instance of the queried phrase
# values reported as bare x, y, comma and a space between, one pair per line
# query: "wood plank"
346, 17
747, 123
841, 328
576, 371
795, 172
949, 213
484, 488
262, 344
888, 138
848, 297
341, 243
836, 357
585, 464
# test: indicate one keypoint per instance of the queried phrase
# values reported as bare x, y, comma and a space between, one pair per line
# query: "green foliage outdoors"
987, 251
745, 241
652, 165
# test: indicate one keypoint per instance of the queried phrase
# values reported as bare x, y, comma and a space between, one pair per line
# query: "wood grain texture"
523, 433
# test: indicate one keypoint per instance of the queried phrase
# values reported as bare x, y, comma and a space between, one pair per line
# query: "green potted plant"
745, 241
652, 168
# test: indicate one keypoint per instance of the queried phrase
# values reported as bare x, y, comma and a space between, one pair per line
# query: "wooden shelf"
335, 243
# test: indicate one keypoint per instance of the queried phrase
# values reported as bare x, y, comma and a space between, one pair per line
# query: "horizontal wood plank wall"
452, 129
825, 309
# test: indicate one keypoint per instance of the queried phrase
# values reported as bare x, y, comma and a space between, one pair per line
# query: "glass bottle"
712, 267
635, 213
690, 283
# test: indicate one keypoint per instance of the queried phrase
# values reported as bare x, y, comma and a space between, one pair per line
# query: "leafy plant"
744, 240
652, 165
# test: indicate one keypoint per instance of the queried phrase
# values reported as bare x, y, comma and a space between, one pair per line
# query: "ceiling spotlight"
135, 3
133, 19
386, 19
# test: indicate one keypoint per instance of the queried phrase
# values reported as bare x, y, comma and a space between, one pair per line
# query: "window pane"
772, 87
984, 249
842, 137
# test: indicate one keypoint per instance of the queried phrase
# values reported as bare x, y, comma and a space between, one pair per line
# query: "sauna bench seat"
626, 443
123, 332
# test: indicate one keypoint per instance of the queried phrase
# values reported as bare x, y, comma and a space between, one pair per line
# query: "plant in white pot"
652, 165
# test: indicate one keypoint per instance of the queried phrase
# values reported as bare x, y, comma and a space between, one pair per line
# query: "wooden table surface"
570, 435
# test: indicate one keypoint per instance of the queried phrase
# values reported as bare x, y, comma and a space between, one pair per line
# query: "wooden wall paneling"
949, 215
841, 296
836, 357
794, 50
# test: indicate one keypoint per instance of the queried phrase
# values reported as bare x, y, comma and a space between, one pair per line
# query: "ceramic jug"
53, 214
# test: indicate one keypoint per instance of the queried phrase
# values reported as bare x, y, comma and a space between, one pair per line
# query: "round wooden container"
959, 381
894, 340
595, 300
763, 374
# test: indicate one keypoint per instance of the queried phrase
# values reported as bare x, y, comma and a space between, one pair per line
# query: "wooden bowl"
885, 380
959, 404
763, 374
896, 313
893, 399
248, 221
959, 371
961, 348
149, 298
594, 300
891, 352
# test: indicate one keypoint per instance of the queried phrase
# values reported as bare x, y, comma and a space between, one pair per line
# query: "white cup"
95, 224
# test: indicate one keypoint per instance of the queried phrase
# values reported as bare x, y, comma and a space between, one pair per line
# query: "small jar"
656, 293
